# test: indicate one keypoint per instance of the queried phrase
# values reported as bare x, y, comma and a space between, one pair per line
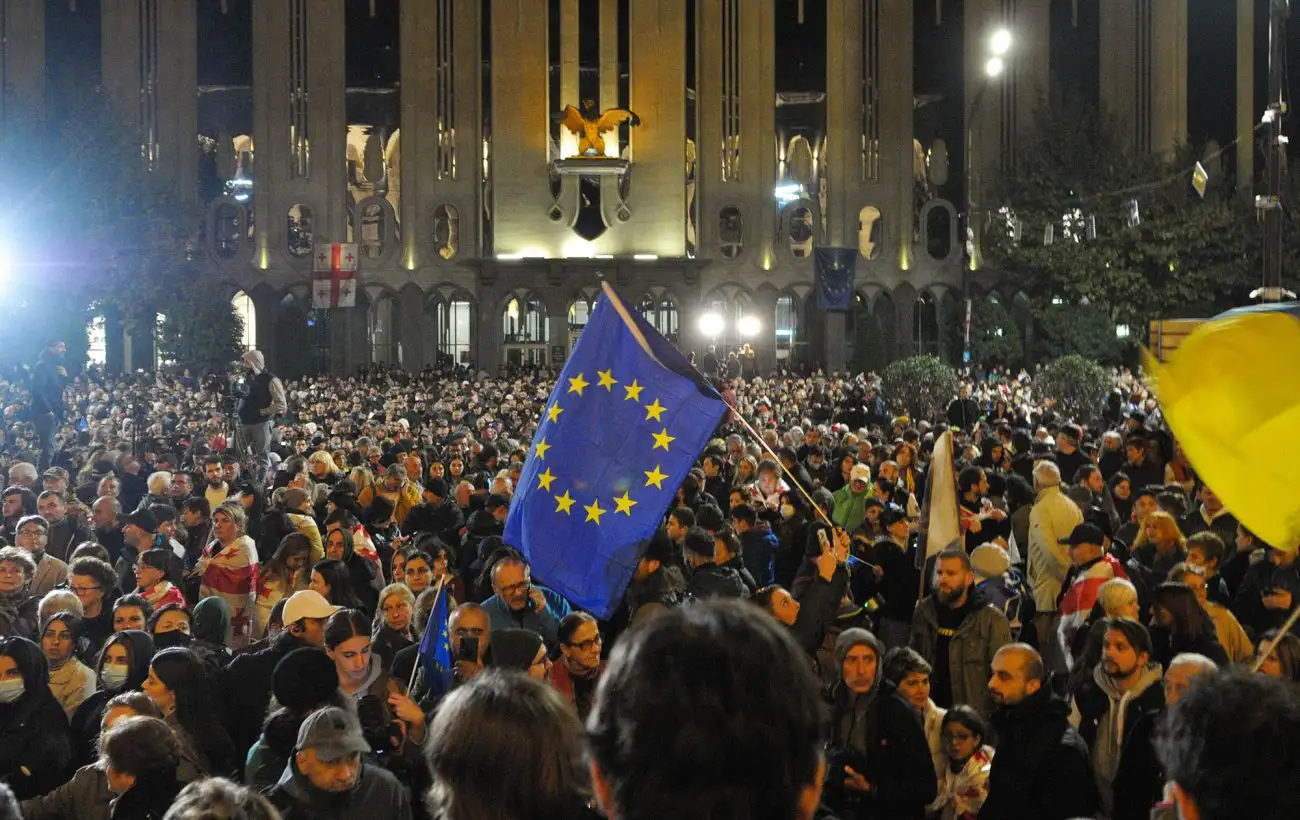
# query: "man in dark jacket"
958, 634
705, 578
758, 543
246, 682
879, 762
656, 587
328, 775
1118, 709
1269, 591
1041, 769
963, 412
437, 514
49, 377
489, 521
66, 533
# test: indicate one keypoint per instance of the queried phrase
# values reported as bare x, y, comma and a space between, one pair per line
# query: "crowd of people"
213, 604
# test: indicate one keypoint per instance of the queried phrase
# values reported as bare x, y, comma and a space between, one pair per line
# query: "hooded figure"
513, 649
36, 750
87, 717
876, 735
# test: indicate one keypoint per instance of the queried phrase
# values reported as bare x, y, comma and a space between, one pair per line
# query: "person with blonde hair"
228, 568
1159, 546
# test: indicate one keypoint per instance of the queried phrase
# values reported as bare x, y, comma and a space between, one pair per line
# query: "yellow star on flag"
594, 512
541, 449
544, 479
654, 411
655, 477
633, 391
662, 439
624, 504
607, 379
577, 384
554, 413
564, 503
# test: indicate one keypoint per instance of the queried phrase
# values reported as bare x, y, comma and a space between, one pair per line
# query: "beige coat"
1052, 518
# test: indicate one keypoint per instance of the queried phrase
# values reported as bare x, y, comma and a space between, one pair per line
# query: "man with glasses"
580, 666
94, 583
32, 534
517, 603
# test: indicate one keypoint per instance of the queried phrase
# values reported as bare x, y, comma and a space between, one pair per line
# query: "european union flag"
435, 648
836, 270
626, 421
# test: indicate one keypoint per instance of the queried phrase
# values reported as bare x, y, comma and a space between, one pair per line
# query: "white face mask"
114, 677
11, 690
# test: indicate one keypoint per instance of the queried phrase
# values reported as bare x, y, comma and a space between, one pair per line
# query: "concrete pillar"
833, 354
557, 334
413, 327
150, 69
1245, 95
266, 312
114, 343
1143, 76
22, 58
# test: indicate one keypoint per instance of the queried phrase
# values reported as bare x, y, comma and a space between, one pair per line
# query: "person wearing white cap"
260, 405
246, 682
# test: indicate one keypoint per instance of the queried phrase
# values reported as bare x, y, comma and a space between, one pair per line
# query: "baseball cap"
1084, 534
892, 515
307, 603
143, 519
860, 472
496, 500
332, 733
55, 472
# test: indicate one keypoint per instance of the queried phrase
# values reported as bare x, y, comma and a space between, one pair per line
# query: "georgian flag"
334, 276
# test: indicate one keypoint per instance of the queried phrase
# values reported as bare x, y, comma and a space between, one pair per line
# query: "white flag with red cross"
334, 276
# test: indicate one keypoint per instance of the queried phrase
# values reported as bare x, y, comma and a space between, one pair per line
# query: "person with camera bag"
878, 762
264, 401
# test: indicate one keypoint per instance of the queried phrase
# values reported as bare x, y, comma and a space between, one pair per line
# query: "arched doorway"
242, 304
525, 331
660, 311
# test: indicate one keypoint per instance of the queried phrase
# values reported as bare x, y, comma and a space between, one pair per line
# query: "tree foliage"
200, 329
1076, 386
1083, 329
103, 231
1186, 256
995, 337
921, 386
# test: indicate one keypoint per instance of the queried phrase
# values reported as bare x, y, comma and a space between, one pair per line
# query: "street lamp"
998, 46
749, 326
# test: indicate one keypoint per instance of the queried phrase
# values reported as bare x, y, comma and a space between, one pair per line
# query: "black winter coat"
246, 682
1041, 769
1138, 781
713, 581
36, 752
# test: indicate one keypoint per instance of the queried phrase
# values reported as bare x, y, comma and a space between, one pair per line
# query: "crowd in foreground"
198, 628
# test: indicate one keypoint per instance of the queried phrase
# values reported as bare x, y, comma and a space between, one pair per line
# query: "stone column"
22, 59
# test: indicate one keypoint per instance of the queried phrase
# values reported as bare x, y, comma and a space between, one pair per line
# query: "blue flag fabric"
618, 436
836, 272
435, 648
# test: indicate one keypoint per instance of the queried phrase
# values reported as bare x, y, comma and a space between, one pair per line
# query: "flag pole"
419, 654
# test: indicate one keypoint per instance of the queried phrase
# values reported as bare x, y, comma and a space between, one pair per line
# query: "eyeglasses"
513, 588
84, 590
957, 737
589, 644
31, 532
10, 569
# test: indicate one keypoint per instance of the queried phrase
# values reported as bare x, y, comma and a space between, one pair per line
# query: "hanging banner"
836, 271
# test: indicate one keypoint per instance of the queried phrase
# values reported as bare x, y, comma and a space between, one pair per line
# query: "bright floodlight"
711, 325
994, 66
748, 326
1000, 42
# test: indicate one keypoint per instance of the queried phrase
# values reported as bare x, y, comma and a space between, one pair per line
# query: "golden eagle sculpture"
589, 123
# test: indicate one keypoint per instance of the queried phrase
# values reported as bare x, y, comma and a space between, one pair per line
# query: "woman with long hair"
122, 667
504, 745
86, 796
1121, 492
340, 545
333, 581
1180, 624
1159, 545
178, 683
36, 750
1281, 653
287, 571
322, 468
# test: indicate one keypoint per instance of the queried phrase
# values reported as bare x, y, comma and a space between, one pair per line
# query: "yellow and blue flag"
1232, 399
625, 422
435, 648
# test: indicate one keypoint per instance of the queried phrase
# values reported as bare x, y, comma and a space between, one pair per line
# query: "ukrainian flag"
625, 422
1231, 395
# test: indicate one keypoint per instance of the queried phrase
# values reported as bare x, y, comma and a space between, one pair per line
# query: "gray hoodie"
1109, 742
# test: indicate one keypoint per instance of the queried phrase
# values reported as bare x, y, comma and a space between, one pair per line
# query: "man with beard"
1117, 711
1041, 767
66, 532
328, 775
104, 515
48, 379
217, 490
958, 633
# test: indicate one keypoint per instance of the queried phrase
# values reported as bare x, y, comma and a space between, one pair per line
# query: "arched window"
925, 324
374, 230
938, 233
227, 231
454, 329
524, 321
786, 326
731, 232
799, 232
299, 237
97, 341
661, 313
579, 313
870, 243
446, 230
243, 306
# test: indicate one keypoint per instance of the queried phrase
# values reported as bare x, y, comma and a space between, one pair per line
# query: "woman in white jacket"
964, 784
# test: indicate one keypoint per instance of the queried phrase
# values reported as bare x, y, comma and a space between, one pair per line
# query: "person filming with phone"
518, 603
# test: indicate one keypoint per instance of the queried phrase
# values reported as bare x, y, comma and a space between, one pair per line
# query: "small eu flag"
626, 421
435, 648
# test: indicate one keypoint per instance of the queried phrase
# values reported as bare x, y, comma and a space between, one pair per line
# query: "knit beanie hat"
857, 636
304, 680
